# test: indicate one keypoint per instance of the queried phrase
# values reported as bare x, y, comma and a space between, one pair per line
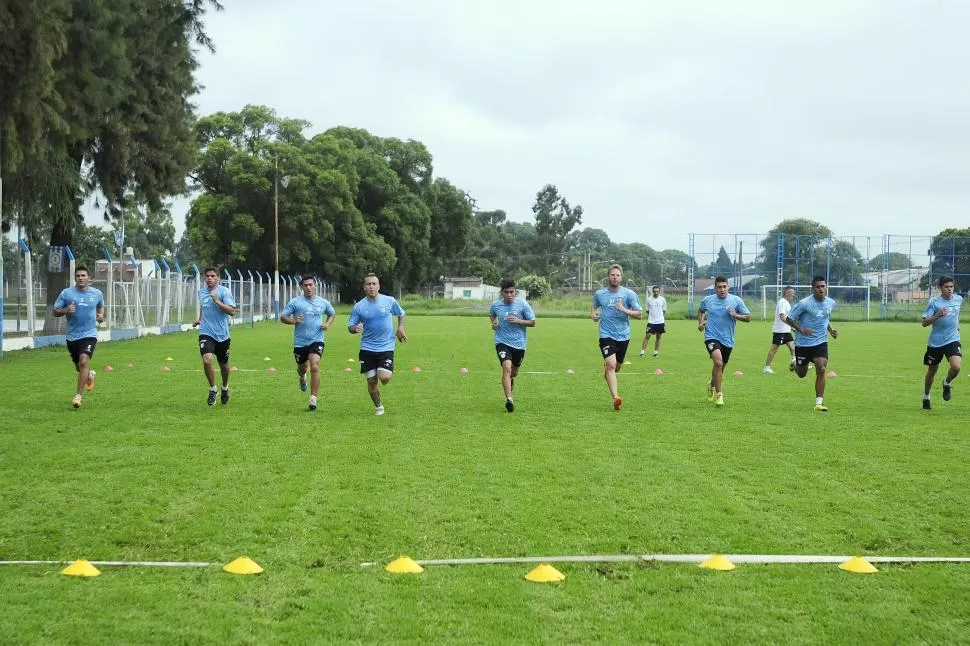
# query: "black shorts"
807, 354
508, 353
656, 328
208, 345
376, 361
714, 344
302, 355
82, 346
781, 338
612, 346
933, 356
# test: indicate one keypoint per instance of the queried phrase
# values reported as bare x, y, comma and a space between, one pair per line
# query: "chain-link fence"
871, 277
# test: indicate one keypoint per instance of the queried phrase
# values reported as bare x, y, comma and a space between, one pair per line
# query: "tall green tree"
893, 260
950, 256
801, 239
554, 221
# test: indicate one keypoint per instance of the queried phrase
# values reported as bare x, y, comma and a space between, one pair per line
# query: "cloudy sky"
660, 118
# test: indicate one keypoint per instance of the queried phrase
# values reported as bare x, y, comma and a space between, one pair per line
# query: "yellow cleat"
719, 401
710, 394
89, 386
821, 408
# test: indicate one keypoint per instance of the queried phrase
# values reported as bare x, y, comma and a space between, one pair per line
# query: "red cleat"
617, 402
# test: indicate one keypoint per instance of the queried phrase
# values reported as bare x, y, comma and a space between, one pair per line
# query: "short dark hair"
208, 269
818, 279
306, 278
85, 269
506, 283
786, 288
720, 279
944, 280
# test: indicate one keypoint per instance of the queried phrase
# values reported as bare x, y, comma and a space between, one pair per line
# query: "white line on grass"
133, 563
688, 558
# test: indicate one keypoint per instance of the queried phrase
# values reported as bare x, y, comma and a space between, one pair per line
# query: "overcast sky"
660, 118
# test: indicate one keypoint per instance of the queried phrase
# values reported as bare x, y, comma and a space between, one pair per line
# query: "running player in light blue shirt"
218, 307
809, 319
371, 318
612, 308
83, 306
943, 313
717, 317
307, 314
510, 317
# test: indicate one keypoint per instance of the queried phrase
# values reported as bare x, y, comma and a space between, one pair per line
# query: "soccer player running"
943, 313
510, 317
218, 306
307, 314
717, 317
656, 321
809, 318
612, 308
371, 318
83, 306
781, 331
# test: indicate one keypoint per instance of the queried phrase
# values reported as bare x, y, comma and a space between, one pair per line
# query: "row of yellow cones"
546, 573
242, 565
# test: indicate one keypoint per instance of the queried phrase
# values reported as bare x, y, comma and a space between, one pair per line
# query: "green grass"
146, 471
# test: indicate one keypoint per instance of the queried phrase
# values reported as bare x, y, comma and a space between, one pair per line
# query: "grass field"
145, 471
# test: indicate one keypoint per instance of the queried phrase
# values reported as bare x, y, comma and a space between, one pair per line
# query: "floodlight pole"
276, 246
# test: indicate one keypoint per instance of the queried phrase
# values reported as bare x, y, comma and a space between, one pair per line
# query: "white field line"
132, 563
688, 558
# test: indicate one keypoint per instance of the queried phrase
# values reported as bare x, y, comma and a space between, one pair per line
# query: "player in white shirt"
656, 321
781, 331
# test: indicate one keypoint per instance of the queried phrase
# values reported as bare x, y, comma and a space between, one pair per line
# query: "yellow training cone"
858, 565
351, 360
404, 565
545, 573
243, 565
266, 359
718, 562
169, 359
81, 568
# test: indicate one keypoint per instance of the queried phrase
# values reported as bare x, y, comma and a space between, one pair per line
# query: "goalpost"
771, 293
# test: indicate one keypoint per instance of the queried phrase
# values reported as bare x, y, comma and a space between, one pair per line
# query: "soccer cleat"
224, 398
767, 370
947, 392
509, 406
303, 383
88, 387
211, 401
926, 405
76, 402
719, 400
822, 408
313, 403
710, 393
791, 366
642, 352
379, 410
617, 402
656, 353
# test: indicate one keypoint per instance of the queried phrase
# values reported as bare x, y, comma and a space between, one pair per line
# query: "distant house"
470, 287
899, 285
123, 270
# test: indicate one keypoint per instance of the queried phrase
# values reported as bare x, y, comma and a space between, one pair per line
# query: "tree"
722, 265
555, 219
592, 240
800, 239
950, 256
535, 286
894, 259
486, 269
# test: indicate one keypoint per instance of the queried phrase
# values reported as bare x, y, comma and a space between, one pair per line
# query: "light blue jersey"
511, 334
215, 322
83, 323
719, 324
946, 329
314, 311
378, 334
813, 314
614, 324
